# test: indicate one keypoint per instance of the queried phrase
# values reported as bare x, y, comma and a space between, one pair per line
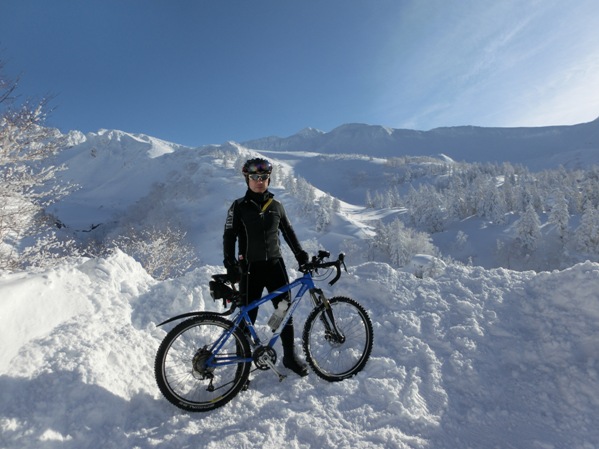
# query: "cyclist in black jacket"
254, 223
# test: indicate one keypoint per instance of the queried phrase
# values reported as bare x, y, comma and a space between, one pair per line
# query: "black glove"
302, 258
234, 273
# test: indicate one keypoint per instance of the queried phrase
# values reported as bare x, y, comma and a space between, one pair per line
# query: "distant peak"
361, 127
309, 132
113, 134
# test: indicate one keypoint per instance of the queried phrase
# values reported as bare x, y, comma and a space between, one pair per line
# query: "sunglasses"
259, 177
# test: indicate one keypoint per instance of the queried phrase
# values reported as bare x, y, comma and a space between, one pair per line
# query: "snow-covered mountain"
537, 148
126, 179
463, 357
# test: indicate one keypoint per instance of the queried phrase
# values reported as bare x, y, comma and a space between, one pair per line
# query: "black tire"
329, 358
181, 376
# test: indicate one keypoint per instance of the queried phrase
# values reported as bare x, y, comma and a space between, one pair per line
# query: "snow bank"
468, 358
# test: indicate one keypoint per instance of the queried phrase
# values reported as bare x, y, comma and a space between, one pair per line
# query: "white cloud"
506, 64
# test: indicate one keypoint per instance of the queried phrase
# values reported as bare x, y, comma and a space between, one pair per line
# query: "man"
254, 222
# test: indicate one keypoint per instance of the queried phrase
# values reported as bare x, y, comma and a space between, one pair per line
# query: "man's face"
258, 183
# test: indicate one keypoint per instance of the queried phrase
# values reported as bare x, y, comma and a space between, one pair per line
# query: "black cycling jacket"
257, 231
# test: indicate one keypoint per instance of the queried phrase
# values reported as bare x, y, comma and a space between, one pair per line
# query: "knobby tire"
329, 358
182, 377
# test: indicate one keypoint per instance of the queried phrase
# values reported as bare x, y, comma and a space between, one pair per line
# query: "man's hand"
234, 273
302, 258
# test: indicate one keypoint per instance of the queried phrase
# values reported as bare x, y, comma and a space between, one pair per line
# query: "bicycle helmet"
256, 166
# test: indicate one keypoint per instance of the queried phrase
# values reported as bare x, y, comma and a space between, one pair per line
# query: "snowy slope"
470, 358
121, 183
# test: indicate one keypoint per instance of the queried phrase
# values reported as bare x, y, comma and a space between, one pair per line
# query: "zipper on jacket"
261, 214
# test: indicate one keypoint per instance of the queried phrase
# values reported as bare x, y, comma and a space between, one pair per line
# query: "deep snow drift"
466, 358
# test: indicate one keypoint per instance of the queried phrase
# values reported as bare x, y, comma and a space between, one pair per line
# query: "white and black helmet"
256, 166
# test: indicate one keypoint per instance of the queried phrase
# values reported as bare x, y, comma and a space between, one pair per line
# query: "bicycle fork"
332, 332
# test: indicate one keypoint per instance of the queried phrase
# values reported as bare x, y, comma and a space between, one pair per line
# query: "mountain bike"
205, 360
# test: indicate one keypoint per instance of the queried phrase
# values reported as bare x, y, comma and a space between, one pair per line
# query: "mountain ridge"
461, 143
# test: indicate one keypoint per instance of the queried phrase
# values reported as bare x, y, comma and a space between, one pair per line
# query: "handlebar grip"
338, 275
317, 263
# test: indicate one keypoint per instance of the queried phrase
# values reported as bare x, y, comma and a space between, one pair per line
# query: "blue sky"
196, 72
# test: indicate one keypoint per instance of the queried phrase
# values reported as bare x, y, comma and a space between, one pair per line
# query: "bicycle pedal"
275, 370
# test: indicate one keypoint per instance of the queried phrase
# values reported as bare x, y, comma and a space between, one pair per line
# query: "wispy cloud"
495, 64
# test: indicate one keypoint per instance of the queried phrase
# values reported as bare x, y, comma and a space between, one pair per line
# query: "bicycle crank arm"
271, 365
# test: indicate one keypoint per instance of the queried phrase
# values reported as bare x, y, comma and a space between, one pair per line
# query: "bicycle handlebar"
317, 262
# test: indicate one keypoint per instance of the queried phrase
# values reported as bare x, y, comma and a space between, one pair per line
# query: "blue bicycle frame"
305, 283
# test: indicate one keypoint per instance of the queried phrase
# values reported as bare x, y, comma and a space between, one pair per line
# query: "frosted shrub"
162, 252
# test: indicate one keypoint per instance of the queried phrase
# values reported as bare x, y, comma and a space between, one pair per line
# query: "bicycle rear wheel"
338, 342
188, 372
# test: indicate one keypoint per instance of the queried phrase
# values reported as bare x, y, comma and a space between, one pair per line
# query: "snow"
464, 357
468, 358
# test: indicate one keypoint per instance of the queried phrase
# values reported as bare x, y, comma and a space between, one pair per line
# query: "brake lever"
342, 260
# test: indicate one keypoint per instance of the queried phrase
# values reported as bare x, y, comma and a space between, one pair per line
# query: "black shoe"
295, 365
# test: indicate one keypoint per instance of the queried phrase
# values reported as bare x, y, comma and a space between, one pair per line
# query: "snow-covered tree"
306, 195
324, 211
401, 247
28, 180
336, 205
369, 200
395, 197
497, 214
509, 191
455, 198
400, 243
559, 215
589, 189
461, 239
427, 209
528, 229
490, 203
587, 232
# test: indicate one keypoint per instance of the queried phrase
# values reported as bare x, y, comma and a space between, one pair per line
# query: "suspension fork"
318, 297
328, 319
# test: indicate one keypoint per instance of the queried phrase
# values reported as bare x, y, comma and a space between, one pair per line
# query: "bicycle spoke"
188, 373
336, 356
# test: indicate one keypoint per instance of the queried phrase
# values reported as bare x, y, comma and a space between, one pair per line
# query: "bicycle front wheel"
196, 373
338, 341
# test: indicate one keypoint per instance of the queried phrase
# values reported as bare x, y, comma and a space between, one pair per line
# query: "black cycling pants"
270, 274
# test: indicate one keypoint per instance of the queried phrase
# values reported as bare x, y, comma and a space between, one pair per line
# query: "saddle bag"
220, 290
